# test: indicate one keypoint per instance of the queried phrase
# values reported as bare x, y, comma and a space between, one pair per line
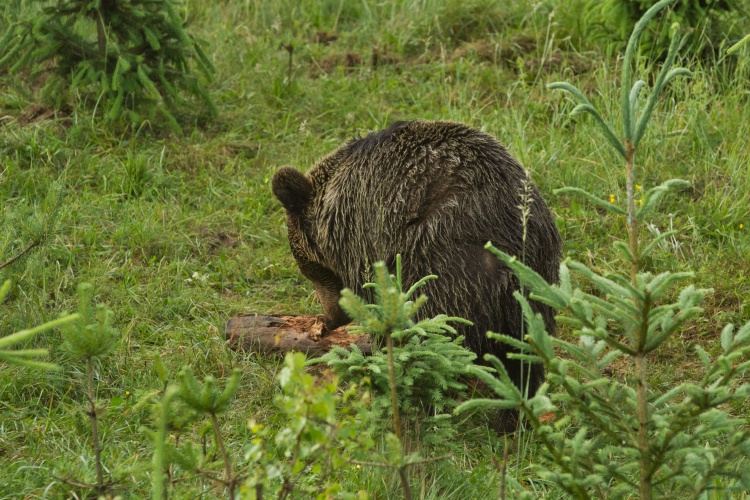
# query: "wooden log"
281, 334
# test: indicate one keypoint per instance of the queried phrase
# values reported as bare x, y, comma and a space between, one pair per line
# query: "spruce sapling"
620, 439
33, 230
22, 356
421, 360
206, 398
133, 58
89, 337
422, 366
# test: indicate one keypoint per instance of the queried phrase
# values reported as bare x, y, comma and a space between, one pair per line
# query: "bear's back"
416, 187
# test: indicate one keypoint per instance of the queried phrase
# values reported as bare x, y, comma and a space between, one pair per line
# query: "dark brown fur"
435, 192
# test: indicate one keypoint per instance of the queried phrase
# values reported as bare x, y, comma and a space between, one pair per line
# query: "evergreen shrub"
620, 437
132, 59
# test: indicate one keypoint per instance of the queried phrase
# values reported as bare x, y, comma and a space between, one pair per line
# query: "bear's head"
297, 194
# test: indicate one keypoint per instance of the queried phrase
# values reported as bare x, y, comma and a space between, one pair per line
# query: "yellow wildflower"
611, 198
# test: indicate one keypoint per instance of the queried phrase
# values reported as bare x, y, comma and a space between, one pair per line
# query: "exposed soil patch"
218, 240
498, 52
185, 157
35, 113
351, 61
519, 54
382, 58
326, 65
523, 48
557, 61
323, 37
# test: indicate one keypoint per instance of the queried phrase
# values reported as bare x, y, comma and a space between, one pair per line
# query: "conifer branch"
28, 249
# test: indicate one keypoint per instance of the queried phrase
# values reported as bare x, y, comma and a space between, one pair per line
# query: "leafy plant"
135, 56
622, 438
323, 430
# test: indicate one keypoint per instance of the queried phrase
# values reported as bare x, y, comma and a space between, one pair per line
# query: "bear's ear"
292, 188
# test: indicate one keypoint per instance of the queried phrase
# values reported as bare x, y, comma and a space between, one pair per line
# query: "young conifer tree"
135, 56
87, 339
24, 233
23, 357
421, 366
616, 438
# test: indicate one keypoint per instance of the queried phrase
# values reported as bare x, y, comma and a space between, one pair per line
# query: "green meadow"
177, 233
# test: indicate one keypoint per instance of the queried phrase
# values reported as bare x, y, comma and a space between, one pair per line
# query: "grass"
177, 234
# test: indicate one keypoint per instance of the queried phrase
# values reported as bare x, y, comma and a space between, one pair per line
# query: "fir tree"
624, 438
134, 56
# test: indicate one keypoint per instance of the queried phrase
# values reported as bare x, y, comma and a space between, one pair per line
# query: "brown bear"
434, 192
